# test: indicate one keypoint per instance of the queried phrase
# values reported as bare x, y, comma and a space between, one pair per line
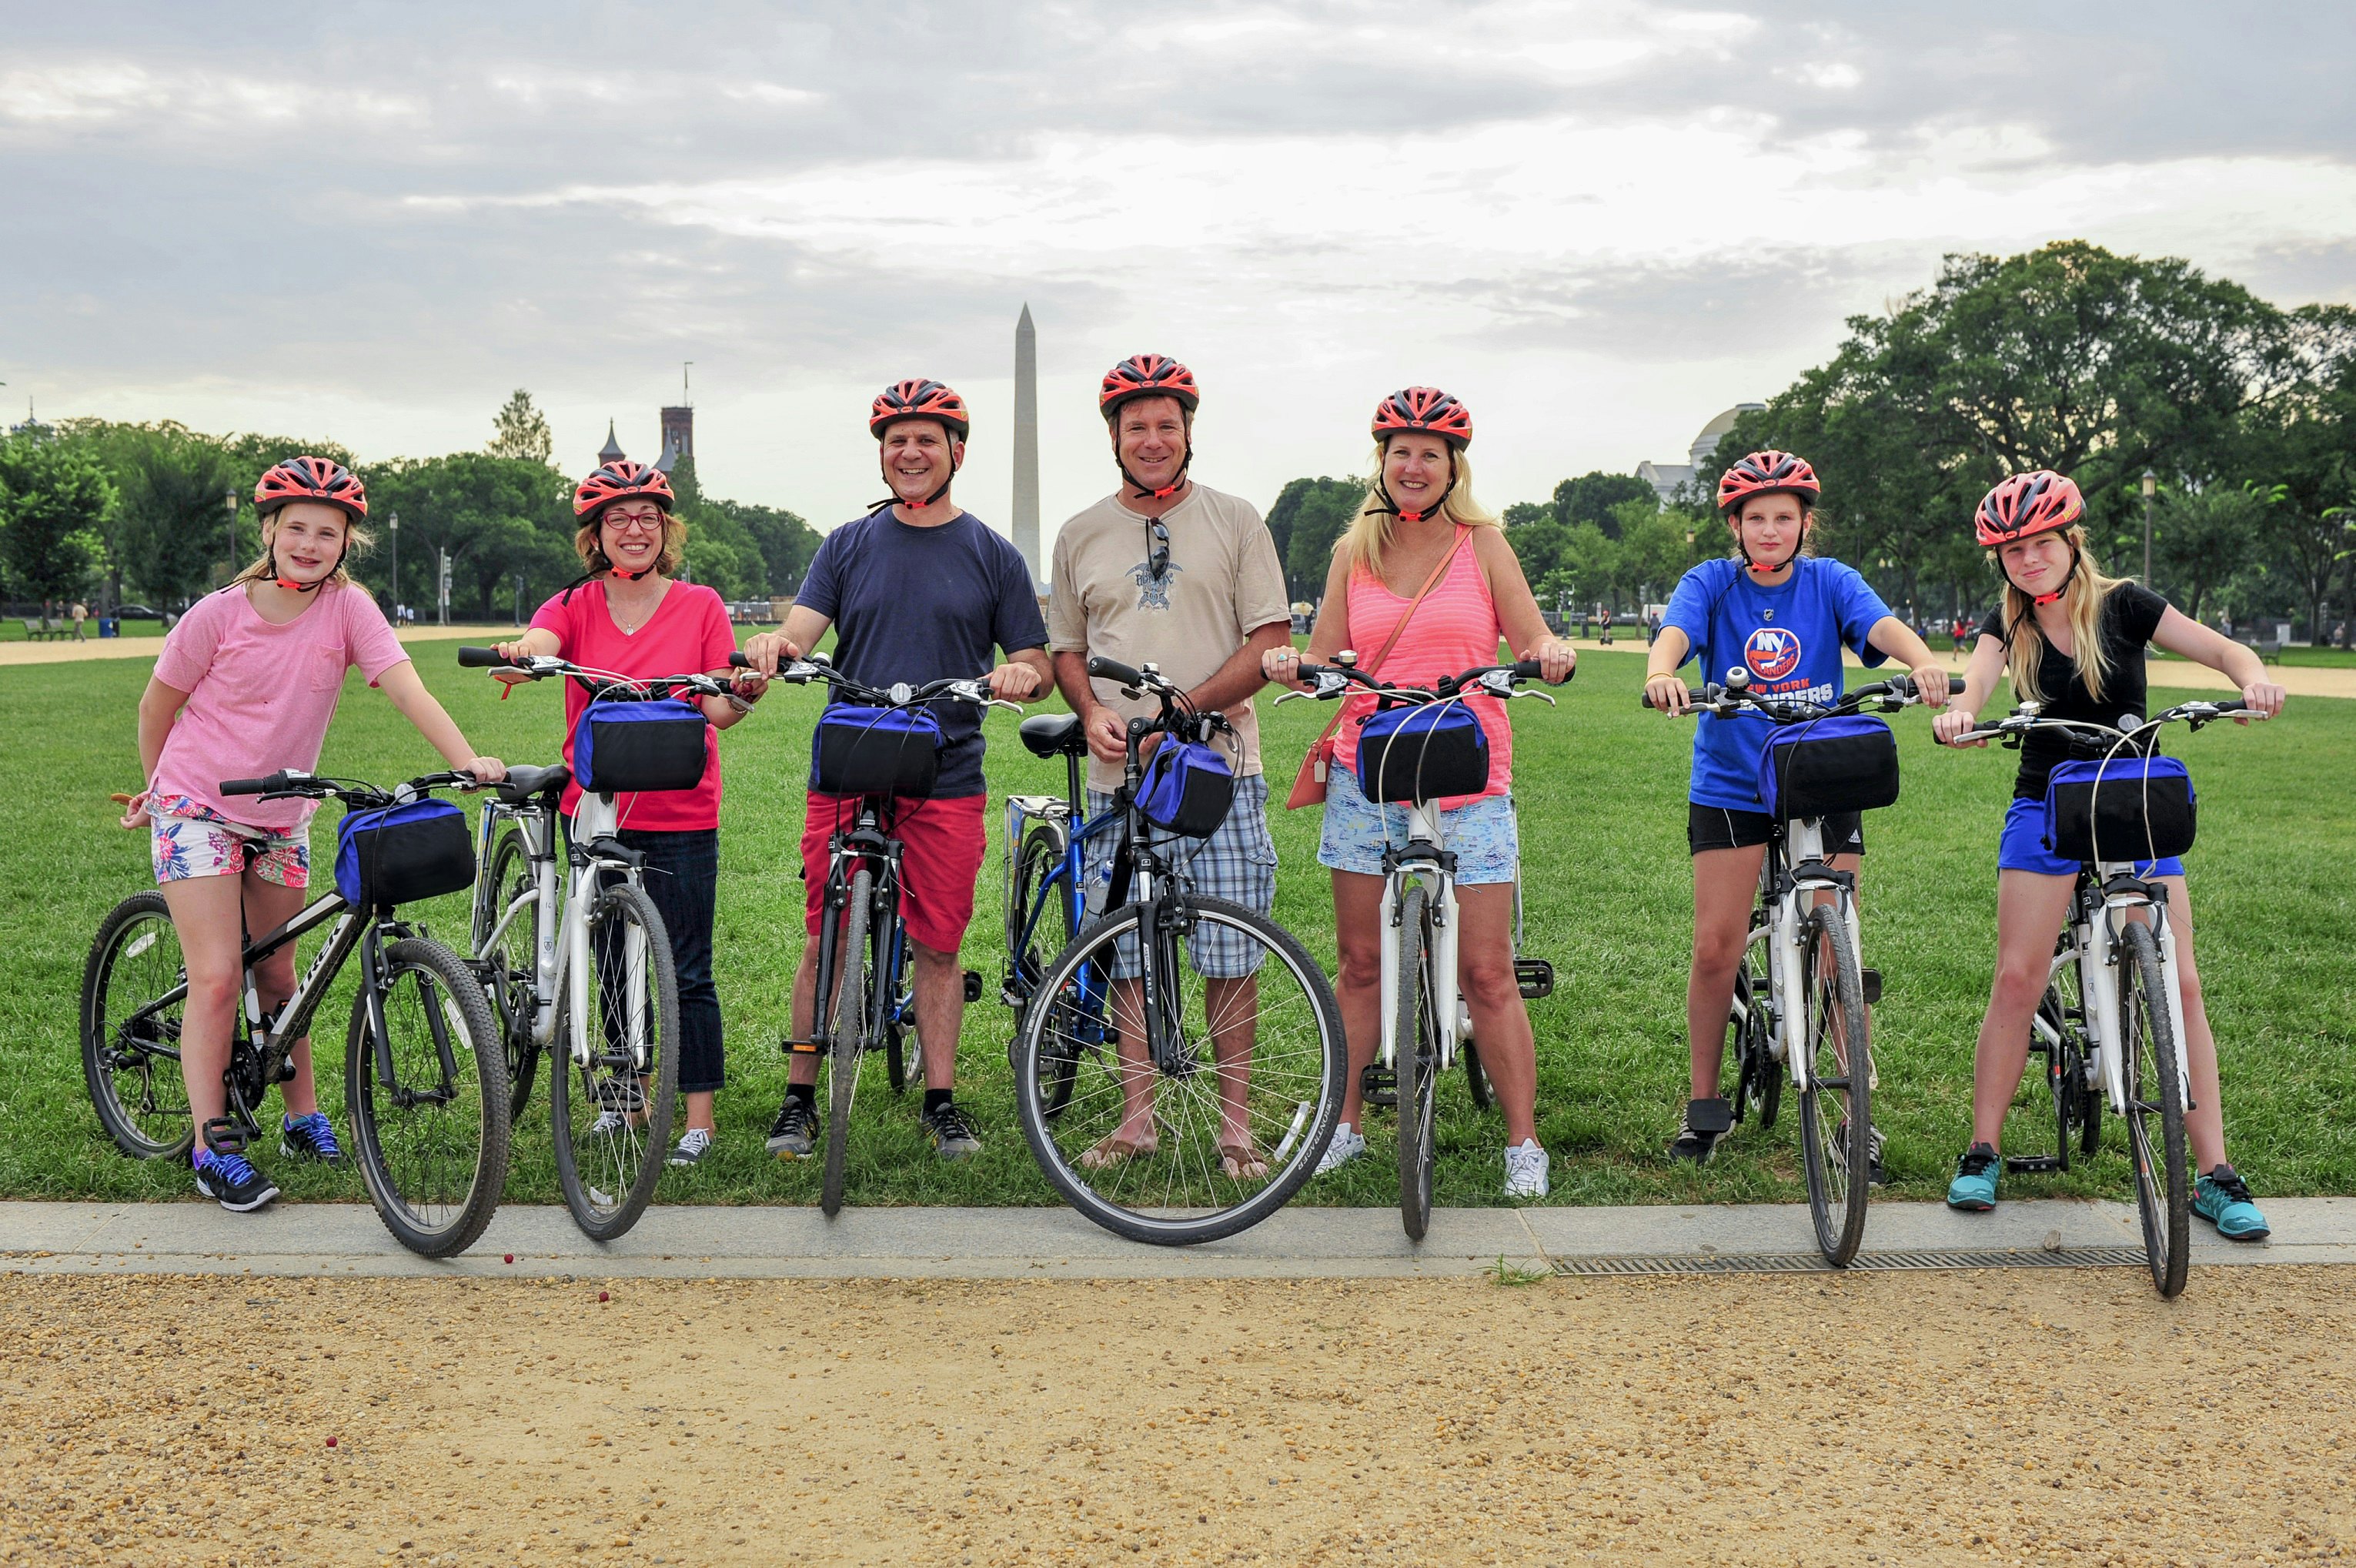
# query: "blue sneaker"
225, 1174
1974, 1188
310, 1137
2222, 1199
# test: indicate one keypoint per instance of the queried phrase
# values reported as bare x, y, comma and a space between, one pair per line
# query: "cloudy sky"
1598, 223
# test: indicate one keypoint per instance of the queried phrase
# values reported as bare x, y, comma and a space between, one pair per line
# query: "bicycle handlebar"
1725, 702
598, 683
483, 659
292, 783
2084, 733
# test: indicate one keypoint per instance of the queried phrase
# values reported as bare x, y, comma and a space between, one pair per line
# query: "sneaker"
953, 1136
1348, 1144
692, 1147
1525, 1169
231, 1180
1874, 1174
1974, 1188
2222, 1199
310, 1137
794, 1133
1699, 1129
607, 1124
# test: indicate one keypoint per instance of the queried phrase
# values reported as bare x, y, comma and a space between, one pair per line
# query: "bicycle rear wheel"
2065, 1066
130, 1048
1283, 1074
850, 1012
432, 1143
610, 1096
1418, 1065
2155, 1105
510, 971
1837, 1105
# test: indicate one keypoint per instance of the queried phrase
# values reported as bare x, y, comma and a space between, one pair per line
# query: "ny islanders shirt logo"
1772, 653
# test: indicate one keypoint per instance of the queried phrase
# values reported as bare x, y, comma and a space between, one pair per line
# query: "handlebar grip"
737, 660
1113, 669
1528, 670
2237, 705
482, 659
253, 785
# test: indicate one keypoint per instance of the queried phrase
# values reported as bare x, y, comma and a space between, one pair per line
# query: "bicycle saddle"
523, 783
1054, 734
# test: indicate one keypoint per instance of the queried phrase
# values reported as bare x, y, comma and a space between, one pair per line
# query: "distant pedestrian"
80, 613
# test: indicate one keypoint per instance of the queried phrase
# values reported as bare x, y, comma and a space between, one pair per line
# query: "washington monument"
1026, 444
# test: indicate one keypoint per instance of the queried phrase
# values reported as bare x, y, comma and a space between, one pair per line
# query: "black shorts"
1715, 827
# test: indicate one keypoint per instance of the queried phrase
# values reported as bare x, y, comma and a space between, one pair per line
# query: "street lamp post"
2150, 483
393, 523
230, 498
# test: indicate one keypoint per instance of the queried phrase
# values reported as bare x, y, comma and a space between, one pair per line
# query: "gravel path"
2024, 1417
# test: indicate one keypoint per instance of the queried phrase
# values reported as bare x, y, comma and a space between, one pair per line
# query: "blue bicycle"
1180, 1061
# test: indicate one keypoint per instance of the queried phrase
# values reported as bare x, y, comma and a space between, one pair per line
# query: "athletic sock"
805, 1093
934, 1098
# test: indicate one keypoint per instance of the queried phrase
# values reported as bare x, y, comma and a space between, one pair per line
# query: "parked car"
138, 612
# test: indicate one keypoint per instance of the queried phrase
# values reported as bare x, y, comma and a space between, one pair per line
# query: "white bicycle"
2111, 1024
540, 940
1419, 746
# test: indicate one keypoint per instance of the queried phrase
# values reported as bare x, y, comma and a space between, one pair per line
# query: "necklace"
630, 626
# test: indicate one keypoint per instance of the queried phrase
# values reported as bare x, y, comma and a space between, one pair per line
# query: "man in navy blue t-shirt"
916, 591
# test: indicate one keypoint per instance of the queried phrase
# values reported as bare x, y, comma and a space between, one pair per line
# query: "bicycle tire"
1179, 1194
2147, 1043
1476, 1080
2064, 1067
138, 944
1837, 1105
1419, 1064
437, 1203
626, 1159
849, 1039
512, 984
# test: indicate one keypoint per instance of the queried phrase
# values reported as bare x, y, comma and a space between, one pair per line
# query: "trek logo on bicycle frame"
1773, 653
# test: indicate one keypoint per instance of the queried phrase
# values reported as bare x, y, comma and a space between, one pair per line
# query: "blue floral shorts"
1482, 834
190, 839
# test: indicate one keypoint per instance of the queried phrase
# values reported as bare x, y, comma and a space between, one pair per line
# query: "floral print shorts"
190, 839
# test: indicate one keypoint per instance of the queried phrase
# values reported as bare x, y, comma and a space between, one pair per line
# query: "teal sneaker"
2222, 1199
1974, 1188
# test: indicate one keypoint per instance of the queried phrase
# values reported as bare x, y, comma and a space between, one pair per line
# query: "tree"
169, 528
519, 431
54, 500
1597, 497
499, 518
783, 540
1309, 517
2201, 537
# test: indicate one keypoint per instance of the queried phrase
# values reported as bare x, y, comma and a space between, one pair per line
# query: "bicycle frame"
1794, 877
887, 1001
2112, 894
1425, 859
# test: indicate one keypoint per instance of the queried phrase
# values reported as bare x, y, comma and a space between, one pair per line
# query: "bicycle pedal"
1379, 1086
1869, 981
2030, 1165
973, 985
801, 1047
1536, 978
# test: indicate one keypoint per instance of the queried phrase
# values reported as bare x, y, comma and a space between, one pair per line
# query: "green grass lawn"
2304, 658
12, 628
1602, 786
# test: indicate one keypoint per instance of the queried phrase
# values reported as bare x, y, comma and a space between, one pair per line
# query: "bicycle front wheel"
1836, 1106
849, 1038
2155, 1111
130, 1045
433, 1142
1418, 1067
610, 1098
510, 968
1237, 1114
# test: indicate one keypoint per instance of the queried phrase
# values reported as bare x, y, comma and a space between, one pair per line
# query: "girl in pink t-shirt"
245, 686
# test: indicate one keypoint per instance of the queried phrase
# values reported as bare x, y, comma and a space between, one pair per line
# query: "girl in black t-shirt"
2073, 640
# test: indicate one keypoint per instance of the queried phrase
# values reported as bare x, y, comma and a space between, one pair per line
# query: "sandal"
1112, 1149
1241, 1162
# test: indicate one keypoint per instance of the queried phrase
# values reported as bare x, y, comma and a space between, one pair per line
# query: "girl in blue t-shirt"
1784, 617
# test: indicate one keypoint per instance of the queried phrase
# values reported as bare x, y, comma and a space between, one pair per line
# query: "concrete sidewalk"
346, 1239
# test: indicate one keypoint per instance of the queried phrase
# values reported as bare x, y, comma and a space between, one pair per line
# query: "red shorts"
940, 857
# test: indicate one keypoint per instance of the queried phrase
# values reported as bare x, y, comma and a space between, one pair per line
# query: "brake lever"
1546, 697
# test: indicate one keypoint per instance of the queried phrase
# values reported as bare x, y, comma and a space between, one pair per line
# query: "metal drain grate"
1869, 1263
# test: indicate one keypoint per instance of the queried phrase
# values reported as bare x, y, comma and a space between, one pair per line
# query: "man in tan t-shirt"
1169, 571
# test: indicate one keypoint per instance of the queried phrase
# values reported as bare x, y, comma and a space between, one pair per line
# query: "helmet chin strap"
895, 499
1393, 507
2055, 596
1143, 492
283, 581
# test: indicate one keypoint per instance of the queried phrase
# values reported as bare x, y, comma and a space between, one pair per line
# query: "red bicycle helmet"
1424, 408
311, 480
919, 398
618, 482
2037, 501
1760, 473
1147, 375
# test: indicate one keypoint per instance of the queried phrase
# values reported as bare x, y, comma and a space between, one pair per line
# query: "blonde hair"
2081, 603
1369, 533
357, 539
585, 543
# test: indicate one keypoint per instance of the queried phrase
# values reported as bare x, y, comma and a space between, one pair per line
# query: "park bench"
41, 630
2269, 649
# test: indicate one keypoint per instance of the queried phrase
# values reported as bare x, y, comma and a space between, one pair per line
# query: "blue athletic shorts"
2023, 847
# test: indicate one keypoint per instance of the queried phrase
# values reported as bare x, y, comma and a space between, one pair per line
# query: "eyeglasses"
627, 523
1157, 538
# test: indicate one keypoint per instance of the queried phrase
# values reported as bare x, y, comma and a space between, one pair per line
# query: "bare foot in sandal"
1118, 1148
1241, 1162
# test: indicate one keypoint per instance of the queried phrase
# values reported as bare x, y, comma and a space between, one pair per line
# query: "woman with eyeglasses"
630, 616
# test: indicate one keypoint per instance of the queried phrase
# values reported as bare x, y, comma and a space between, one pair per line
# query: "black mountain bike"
424, 1079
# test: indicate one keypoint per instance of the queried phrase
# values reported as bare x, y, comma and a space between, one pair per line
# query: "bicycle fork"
2101, 952
1439, 961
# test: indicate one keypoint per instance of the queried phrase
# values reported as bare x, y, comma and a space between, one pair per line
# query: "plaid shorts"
1237, 863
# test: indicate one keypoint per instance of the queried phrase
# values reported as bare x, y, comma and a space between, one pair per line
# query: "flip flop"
1241, 1162
1112, 1149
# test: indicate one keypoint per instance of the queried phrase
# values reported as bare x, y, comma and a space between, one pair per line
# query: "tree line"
127, 513
2070, 356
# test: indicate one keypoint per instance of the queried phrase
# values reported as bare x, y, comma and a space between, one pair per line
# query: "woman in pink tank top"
1420, 526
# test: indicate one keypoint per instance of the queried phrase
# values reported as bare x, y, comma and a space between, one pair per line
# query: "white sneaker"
608, 1123
1525, 1169
1348, 1144
691, 1147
